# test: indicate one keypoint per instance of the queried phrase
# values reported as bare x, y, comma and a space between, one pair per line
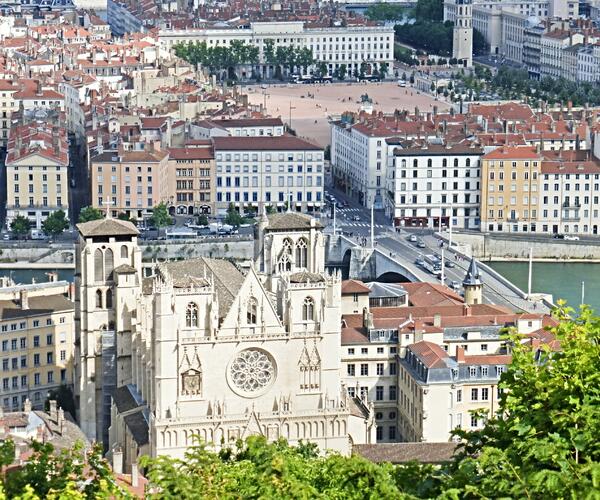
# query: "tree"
233, 217
20, 225
202, 220
160, 216
89, 213
55, 223
429, 10
125, 217
341, 72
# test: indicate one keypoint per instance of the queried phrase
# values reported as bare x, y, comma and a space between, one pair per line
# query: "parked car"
571, 237
421, 244
455, 285
558, 236
412, 238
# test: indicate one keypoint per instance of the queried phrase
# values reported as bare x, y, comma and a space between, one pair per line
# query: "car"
345, 203
401, 83
455, 285
558, 236
571, 237
419, 260
339, 205
450, 264
356, 218
421, 244
412, 238
6, 237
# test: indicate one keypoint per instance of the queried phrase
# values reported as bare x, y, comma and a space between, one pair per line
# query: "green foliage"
233, 217
68, 474
341, 72
388, 12
429, 10
89, 213
160, 216
125, 217
271, 209
55, 223
202, 220
20, 225
434, 37
480, 46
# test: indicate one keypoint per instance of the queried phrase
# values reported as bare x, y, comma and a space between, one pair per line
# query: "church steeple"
472, 284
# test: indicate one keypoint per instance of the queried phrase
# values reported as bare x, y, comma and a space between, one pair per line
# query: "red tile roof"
354, 286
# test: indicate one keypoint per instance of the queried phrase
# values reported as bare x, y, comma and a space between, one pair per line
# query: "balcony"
571, 204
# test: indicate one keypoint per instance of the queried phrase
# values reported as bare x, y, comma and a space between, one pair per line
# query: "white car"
570, 237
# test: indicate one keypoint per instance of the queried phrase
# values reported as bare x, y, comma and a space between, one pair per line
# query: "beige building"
37, 165
130, 182
191, 182
509, 189
37, 338
7, 106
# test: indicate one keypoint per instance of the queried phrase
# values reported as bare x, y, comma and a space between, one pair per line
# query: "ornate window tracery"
191, 315
251, 371
308, 309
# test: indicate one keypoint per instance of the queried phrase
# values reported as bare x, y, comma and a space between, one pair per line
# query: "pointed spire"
472, 277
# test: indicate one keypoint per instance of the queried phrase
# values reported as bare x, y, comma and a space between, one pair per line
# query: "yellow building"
510, 189
7, 106
36, 342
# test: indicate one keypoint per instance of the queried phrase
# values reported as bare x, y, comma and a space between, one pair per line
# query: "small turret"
472, 284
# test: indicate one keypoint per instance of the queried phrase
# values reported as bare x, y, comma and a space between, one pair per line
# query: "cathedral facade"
210, 350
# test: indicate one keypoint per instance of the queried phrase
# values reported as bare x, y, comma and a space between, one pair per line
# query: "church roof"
107, 227
306, 277
138, 426
291, 220
227, 278
124, 269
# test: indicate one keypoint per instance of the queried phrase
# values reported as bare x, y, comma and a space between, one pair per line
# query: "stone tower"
472, 285
462, 41
107, 283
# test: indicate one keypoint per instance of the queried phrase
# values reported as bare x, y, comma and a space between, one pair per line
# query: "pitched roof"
354, 286
306, 277
107, 227
291, 220
432, 355
10, 309
472, 278
429, 453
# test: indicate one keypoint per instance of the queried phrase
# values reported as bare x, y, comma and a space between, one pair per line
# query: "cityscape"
342, 249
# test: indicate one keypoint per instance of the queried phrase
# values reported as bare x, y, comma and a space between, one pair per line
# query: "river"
561, 279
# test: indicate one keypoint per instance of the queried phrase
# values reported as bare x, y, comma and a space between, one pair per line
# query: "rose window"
251, 371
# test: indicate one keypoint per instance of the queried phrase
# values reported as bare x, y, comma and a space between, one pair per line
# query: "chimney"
367, 319
437, 320
24, 298
27, 406
135, 476
53, 413
52, 277
117, 461
466, 310
61, 421
460, 354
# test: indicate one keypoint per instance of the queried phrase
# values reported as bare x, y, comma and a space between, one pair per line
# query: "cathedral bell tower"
107, 282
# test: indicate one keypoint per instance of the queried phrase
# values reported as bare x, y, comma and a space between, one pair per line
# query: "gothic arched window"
109, 299
98, 299
285, 257
124, 252
109, 264
191, 315
98, 265
301, 253
468, 164
251, 309
308, 309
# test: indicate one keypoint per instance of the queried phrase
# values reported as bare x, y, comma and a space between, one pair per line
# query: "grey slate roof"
290, 220
107, 227
382, 290
124, 269
10, 309
306, 277
472, 277
429, 453
124, 399
227, 278
137, 423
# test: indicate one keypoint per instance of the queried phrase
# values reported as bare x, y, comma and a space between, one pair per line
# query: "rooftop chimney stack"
117, 461
135, 476
460, 354
24, 299
53, 410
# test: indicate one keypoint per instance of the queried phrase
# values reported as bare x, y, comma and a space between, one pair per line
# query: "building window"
472, 371
124, 252
301, 253
459, 395
392, 432
473, 421
191, 315
392, 368
351, 351
379, 433
308, 309
98, 299
364, 369
351, 369
109, 299
379, 368
484, 393
379, 393
393, 393
251, 309
474, 394
351, 392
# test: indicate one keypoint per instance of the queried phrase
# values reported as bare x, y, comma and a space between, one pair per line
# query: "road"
397, 244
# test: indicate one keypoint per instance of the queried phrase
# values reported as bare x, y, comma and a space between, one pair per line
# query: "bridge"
393, 260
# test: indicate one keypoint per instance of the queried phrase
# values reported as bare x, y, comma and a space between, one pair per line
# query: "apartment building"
130, 182
439, 391
37, 163
36, 335
509, 189
337, 45
569, 193
191, 174
241, 127
254, 172
7, 106
428, 182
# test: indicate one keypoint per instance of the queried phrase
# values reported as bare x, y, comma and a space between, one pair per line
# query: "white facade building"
434, 180
335, 45
280, 171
